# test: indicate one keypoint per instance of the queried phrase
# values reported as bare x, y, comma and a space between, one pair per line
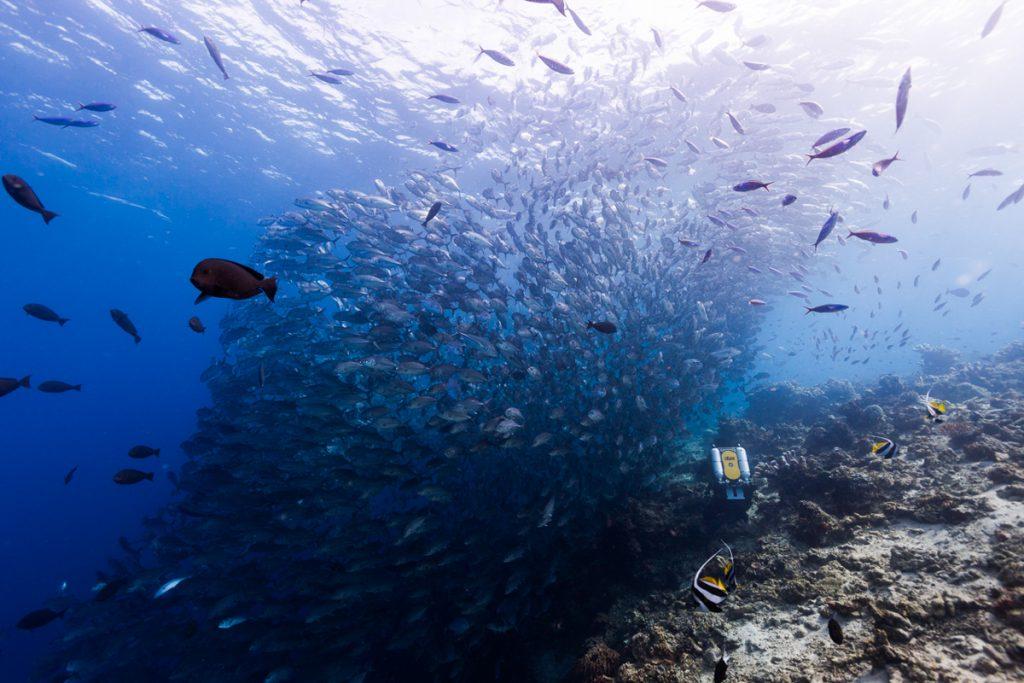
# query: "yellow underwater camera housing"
730, 471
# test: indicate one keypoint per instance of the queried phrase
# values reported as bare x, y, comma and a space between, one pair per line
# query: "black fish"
55, 387
26, 196
69, 475
603, 326
434, 209
9, 384
44, 313
835, 631
39, 618
109, 589
140, 452
130, 476
125, 323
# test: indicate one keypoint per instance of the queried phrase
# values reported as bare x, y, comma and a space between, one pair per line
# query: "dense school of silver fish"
452, 384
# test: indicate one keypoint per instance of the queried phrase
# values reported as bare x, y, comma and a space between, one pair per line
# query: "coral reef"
920, 557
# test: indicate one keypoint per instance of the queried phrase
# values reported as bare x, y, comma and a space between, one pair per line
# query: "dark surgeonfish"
711, 588
224, 279
130, 476
160, 34
602, 326
883, 447
124, 322
214, 51
39, 618
9, 384
44, 313
26, 196
140, 452
902, 98
835, 631
70, 474
196, 325
56, 387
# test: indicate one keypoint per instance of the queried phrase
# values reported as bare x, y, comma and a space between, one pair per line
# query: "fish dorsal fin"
255, 274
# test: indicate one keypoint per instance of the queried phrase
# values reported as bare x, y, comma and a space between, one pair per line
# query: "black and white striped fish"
883, 447
711, 590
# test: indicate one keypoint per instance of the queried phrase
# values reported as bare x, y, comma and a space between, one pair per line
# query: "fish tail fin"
226, 77
61, 321
269, 287
149, 475
60, 614
766, 186
137, 339
850, 235
47, 217
590, 325
156, 452
34, 117
77, 387
808, 310
810, 158
896, 157
80, 107
25, 381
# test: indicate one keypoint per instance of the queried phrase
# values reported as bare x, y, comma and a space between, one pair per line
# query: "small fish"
433, 211
444, 146
880, 166
707, 257
106, 590
9, 384
983, 275
935, 266
20, 192
579, 22
961, 292
97, 106
657, 39
44, 313
830, 136
556, 65
196, 325
913, 217
140, 452
872, 236
214, 51
885, 448
756, 66
835, 631
603, 326
447, 99
966, 193
826, 228
717, 5
678, 94
130, 476
121, 320
70, 475
812, 109
160, 34
66, 121
757, 302
788, 199
985, 173
224, 279
749, 185
736, 125
39, 618
838, 148
231, 622
326, 77
56, 387
168, 587
993, 20
826, 308
688, 243
902, 98
657, 162
499, 57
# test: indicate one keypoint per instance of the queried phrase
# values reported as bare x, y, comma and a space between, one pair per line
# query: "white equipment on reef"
731, 471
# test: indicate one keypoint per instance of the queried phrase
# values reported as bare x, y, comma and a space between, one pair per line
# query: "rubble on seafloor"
920, 558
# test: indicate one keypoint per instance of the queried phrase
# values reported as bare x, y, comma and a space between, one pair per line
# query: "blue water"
188, 164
